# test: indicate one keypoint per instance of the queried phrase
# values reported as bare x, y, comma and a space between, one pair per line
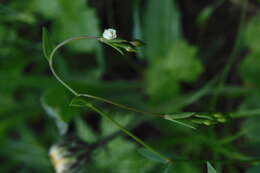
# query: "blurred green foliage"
187, 47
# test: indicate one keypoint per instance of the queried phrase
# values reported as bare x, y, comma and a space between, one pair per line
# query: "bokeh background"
201, 56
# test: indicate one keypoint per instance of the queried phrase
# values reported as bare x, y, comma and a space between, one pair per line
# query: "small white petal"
109, 34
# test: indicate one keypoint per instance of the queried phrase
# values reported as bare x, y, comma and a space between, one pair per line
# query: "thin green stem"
52, 56
89, 95
128, 132
120, 105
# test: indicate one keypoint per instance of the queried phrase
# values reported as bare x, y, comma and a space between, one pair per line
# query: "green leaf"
48, 8
251, 128
112, 158
168, 117
46, 43
77, 18
204, 15
182, 115
252, 34
149, 155
84, 131
56, 103
162, 27
170, 70
250, 69
210, 168
118, 49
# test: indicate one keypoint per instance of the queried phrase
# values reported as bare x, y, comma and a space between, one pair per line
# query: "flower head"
68, 155
109, 34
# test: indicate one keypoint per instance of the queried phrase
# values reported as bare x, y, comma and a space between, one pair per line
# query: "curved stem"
52, 55
89, 95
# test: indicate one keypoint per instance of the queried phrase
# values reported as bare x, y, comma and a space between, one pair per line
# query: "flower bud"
109, 34
68, 156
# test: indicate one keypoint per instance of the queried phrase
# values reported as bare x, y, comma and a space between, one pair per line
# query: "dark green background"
189, 44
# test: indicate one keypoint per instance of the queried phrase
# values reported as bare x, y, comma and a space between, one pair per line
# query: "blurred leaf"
204, 15
28, 154
168, 117
182, 115
46, 43
210, 168
56, 103
49, 8
84, 131
251, 128
149, 155
162, 27
119, 156
169, 71
169, 168
250, 68
108, 128
76, 19
254, 169
252, 34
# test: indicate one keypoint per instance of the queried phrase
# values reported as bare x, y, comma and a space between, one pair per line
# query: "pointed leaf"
149, 155
46, 43
182, 115
210, 168
168, 117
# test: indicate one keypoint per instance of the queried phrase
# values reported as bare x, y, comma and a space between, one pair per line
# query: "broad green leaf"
181, 62
252, 34
77, 18
210, 168
162, 27
48, 8
109, 128
84, 131
46, 43
56, 103
119, 156
170, 70
149, 155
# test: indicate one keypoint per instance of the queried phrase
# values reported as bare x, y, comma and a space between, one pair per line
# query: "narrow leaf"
119, 50
46, 43
210, 168
149, 155
182, 115
169, 118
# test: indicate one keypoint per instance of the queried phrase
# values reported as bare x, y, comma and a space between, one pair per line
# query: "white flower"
60, 159
109, 34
